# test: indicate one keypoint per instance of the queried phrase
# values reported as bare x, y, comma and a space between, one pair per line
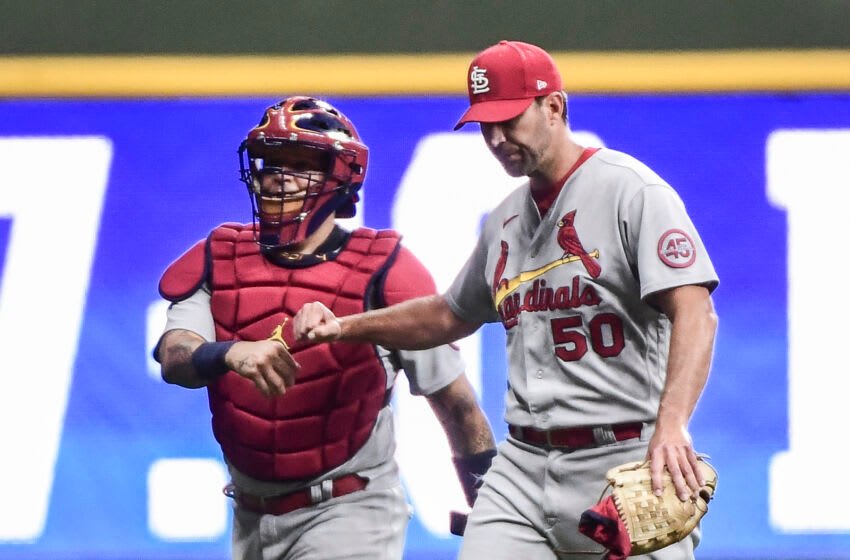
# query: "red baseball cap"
505, 78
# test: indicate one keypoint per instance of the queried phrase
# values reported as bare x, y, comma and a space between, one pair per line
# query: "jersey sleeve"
664, 243
469, 295
429, 370
192, 314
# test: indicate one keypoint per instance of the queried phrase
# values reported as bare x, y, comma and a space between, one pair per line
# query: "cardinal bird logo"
570, 243
573, 252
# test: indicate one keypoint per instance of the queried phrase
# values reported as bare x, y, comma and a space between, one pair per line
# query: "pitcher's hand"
316, 323
673, 449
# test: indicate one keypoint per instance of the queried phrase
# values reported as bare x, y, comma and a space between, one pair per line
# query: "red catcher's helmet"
299, 123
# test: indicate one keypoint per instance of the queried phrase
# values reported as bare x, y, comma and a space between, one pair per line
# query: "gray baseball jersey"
584, 346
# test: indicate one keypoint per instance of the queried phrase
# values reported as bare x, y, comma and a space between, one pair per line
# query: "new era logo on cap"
505, 78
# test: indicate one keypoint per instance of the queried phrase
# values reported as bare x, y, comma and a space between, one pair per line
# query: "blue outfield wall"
97, 197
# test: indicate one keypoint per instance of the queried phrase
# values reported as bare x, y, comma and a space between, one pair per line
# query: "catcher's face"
288, 185
287, 179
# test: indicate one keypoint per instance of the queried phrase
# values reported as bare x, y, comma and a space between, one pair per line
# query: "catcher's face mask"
302, 163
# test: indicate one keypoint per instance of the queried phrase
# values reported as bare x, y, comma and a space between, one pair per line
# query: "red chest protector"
329, 413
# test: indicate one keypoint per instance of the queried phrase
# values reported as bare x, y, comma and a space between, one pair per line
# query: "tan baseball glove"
632, 520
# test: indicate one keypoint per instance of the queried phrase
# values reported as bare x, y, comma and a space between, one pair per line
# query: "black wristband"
470, 470
208, 359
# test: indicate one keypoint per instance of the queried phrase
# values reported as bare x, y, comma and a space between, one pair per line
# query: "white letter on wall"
53, 190
808, 174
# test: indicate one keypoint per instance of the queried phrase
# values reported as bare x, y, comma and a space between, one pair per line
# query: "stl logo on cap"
478, 81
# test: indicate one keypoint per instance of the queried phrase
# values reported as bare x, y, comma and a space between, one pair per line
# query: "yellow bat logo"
506, 288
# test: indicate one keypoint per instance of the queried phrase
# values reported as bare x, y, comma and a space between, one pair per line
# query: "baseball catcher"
307, 431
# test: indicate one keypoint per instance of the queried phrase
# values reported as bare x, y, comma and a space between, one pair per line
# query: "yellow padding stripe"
593, 72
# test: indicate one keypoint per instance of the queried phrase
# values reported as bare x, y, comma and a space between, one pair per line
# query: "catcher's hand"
634, 521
